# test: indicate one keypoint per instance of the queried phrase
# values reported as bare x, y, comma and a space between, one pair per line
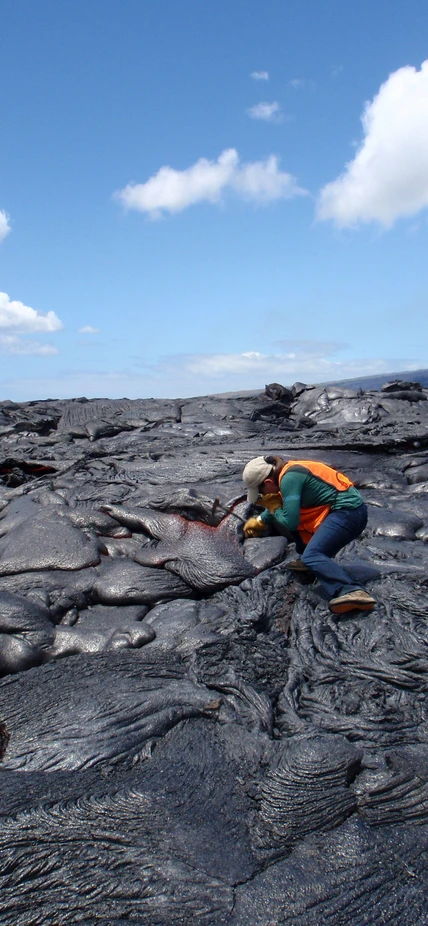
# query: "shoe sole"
352, 606
297, 568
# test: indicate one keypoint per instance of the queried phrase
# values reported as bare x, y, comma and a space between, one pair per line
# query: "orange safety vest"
311, 518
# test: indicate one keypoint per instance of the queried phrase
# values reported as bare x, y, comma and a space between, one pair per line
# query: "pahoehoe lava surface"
187, 735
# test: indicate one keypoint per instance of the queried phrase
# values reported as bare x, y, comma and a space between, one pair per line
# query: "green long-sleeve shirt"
301, 489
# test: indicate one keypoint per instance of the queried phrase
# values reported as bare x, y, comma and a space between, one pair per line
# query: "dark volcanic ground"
189, 736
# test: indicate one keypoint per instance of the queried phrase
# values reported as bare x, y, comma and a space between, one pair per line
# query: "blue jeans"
337, 529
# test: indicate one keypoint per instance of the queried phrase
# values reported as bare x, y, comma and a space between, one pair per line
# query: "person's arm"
288, 516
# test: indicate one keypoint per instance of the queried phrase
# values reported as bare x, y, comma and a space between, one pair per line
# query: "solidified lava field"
188, 734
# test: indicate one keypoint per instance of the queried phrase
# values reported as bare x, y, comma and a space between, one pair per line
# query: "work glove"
254, 527
272, 501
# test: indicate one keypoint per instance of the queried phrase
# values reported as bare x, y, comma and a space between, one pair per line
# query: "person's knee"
308, 557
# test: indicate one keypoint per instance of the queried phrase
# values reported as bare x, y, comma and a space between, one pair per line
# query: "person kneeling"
321, 510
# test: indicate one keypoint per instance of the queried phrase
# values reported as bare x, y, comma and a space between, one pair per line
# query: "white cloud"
297, 83
310, 362
294, 357
88, 329
260, 75
21, 317
388, 178
4, 225
11, 344
267, 112
263, 182
185, 375
174, 190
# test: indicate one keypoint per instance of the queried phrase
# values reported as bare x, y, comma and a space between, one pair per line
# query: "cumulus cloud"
388, 178
88, 329
4, 225
260, 75
16, 315
267, 112
174, 190
10, 344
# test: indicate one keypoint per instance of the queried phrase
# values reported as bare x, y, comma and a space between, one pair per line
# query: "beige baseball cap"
255, 472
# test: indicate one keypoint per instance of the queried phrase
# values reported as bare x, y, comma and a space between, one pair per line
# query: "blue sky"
202, 197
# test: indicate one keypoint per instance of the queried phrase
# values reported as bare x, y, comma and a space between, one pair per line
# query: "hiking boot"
358, 600
296, 565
